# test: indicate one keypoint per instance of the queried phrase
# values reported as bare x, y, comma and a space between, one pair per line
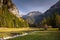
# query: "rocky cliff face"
11, 7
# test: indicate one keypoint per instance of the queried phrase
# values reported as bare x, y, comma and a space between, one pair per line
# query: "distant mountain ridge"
49, 17
53, 13
53, 9
57, 5
34, 13
33, 17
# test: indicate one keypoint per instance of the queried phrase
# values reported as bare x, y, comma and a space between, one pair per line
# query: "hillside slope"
8, 19
52, 15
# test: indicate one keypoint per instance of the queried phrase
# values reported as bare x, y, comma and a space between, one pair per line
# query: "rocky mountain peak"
34, 13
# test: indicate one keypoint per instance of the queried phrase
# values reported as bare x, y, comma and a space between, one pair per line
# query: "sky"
26, 6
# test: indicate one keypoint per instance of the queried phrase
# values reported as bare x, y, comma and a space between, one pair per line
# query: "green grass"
5, 32
9, 30
41, 35
50, 34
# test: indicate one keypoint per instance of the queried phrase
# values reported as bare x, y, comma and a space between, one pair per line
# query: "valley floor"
40, 35
33, 33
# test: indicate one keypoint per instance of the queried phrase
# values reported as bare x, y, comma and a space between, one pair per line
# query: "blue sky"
26, 6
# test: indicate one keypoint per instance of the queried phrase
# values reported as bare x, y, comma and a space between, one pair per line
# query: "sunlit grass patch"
17, 29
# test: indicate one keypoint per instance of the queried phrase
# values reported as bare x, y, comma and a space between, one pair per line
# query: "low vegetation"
40, 35
5, 32
9, 20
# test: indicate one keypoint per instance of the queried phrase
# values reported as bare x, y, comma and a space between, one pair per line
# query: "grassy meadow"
5, 32
39, 34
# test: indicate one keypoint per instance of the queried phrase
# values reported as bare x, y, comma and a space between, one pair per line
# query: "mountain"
53, 13
9, 16
50, 17
57, 5
34, 13
54, 9
33, 18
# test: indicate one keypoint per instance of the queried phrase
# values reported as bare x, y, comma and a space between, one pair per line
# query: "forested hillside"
52, 16
8, 19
